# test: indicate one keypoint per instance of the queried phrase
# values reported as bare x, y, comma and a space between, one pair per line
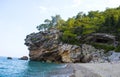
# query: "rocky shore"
46, 46
95, 56
96, 69
88, 70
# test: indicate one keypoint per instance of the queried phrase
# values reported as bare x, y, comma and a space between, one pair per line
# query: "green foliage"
82, 24
103, 46
56, 21
112, 21
78, 30
117, 49
69, 37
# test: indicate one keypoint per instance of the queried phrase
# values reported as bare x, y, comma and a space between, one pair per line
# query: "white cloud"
114, 3
76, 3
43, 8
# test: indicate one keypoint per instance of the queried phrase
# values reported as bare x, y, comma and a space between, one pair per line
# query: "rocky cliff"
46, 46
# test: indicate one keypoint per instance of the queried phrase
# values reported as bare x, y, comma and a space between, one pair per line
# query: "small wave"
3, 68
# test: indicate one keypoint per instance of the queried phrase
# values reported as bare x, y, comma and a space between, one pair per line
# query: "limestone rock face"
101, 38
69, 53
87, 51
46, 46
43, 46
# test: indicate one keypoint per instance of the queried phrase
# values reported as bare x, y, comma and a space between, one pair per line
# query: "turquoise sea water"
22, 68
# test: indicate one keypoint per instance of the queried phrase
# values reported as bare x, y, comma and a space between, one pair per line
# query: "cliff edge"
46, 46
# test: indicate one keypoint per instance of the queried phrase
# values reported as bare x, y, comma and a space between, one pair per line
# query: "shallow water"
22, 68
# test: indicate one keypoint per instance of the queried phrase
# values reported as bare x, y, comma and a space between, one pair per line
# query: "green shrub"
33, 39
103, 46
69, 37
117, 49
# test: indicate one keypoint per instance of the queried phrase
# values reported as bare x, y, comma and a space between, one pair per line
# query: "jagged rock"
99, 56
69, 53
87, 51
114, 56
43, 46
23, 58
100, 38
46, 46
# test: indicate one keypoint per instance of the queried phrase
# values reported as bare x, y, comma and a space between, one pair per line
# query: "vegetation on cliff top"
107, 21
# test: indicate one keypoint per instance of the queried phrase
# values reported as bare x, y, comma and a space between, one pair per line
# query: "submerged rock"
9, 57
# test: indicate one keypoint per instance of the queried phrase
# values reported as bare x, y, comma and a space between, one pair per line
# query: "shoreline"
65, 71
95, 69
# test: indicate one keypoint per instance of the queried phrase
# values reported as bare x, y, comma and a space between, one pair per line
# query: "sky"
19, 18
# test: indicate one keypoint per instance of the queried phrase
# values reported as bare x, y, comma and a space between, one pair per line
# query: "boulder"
114, 56
99, 56
87, 53
23, 58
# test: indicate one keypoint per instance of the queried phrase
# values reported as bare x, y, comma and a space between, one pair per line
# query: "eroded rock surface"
46, 46
101, 38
